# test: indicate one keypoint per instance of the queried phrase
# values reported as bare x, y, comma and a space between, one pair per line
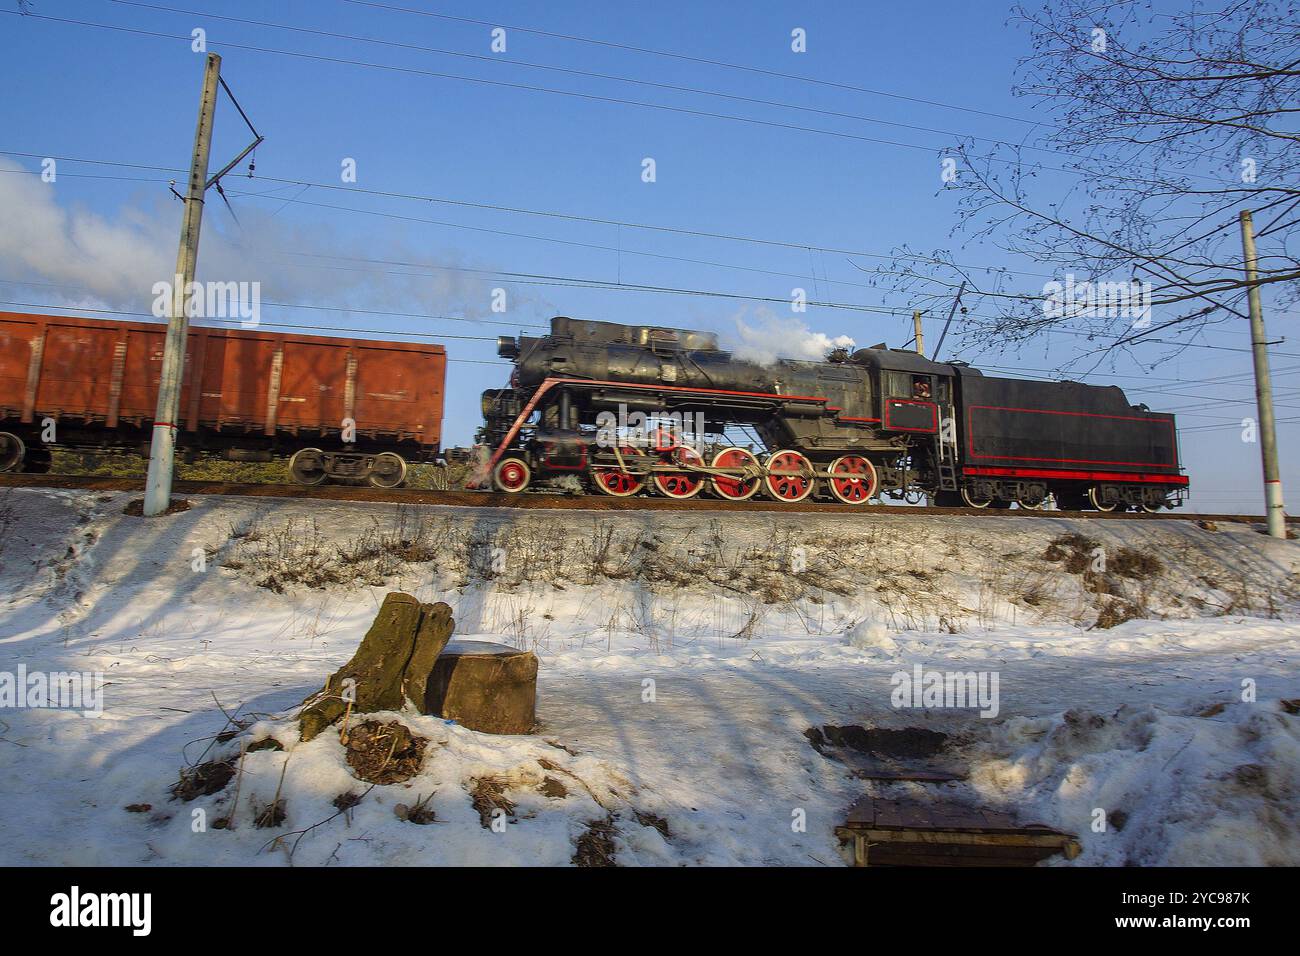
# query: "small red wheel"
789, 476
620, 484
853, 479
511, 475
735, 489
680, 484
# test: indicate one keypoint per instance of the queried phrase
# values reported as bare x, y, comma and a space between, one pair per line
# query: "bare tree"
1164, 126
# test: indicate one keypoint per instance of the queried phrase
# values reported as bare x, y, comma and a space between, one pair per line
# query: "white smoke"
70, 257
772, 337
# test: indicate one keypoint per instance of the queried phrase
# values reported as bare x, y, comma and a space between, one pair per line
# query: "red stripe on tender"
1077, 475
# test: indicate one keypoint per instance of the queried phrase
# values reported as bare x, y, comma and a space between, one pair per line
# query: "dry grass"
488, 795
596, 845
786, 568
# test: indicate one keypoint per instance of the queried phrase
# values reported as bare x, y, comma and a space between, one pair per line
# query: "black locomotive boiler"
622, 409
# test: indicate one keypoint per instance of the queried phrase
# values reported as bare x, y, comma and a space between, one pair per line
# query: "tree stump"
486, 687
391, 666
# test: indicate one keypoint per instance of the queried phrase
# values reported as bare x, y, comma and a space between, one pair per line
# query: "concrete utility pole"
1273, 507
916, 327
158, 484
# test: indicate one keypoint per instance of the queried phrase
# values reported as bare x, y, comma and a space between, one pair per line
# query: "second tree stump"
486, 687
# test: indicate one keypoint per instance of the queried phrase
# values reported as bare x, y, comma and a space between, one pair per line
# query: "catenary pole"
1274, 509
162, 450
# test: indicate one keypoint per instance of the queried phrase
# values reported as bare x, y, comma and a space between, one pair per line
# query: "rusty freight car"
342, 408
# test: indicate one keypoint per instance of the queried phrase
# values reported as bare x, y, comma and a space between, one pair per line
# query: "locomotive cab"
913, 394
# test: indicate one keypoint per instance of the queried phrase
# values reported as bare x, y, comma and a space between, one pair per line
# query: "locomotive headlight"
507, 346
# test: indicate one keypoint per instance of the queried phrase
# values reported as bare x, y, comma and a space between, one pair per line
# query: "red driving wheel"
680, 484
735, 489
789, 476
613, 481
853, 479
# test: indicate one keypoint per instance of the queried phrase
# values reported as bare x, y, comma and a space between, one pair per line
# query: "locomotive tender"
854, 427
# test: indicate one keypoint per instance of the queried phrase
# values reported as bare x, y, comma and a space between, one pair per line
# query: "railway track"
484, 499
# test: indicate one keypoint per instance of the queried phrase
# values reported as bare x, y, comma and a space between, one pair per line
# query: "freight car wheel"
1097, 498
680, 484
736, 489
307, 466
12, 451
620, 484
388, 470
854, 479
974, 501
789, 476
511, 475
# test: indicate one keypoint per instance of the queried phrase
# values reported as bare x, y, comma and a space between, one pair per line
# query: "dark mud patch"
384, 753
648, 819
135, 508
908, 743
204, 779
552, 789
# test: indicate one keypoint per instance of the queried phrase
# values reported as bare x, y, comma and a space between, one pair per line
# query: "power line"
572, 217
498, 59
125, 179
703, 60
601, 221
275, 51
601, 284
320, 308
1228, 379
553, 240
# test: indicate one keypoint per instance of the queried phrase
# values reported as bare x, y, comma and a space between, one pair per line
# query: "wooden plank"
934, 815
946, 833
956, 838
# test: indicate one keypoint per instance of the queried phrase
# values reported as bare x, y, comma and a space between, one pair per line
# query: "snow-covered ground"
683, 657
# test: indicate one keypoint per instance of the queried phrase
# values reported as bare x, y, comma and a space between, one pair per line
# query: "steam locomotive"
627, 409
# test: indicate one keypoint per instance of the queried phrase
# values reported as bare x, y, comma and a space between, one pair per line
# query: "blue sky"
91, 93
